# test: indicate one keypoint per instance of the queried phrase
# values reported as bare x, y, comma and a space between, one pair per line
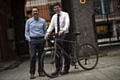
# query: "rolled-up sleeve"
67, 22
51, 26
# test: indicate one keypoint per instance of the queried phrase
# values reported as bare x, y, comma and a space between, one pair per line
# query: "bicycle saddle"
76, 33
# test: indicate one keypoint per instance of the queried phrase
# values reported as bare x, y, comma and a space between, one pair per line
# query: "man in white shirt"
62, 28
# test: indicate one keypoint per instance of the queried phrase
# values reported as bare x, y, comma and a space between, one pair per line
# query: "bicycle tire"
88, 56
48, 63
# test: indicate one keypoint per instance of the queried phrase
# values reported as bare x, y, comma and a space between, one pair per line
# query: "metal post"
108, 28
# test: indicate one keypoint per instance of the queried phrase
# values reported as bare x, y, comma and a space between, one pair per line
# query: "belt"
36, 37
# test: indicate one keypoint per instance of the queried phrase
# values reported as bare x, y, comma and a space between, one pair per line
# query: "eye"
34, 11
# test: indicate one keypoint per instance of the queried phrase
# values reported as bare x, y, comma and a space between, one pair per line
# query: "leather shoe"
32, 76
64, 72
55, 72
41, 74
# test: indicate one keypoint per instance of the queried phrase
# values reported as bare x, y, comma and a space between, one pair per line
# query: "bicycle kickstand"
75, 67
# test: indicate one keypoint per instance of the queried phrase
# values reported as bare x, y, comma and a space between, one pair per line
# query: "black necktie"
58, 25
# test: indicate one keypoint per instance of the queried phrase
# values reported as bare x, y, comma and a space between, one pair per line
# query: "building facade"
95, 19
12, 19
107, 18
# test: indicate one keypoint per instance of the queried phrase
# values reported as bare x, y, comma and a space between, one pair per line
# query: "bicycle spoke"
88, 57
49, 63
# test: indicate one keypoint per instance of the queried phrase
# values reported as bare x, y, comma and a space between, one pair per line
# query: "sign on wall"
82, 1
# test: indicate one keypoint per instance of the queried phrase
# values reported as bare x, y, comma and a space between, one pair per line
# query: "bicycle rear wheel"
88, 57
48, 62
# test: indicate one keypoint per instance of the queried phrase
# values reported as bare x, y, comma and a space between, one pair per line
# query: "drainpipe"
103, 9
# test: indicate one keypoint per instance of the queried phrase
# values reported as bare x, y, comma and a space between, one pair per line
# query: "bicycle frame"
56, 46
79, 57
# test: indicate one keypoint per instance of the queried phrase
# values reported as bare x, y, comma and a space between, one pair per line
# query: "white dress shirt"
64, 22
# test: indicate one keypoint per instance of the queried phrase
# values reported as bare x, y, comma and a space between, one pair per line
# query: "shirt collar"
34, 18
60, 13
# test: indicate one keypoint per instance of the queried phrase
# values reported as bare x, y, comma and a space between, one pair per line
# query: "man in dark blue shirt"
35, 30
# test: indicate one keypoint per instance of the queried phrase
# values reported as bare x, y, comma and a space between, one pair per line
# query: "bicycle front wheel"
88, 56
48, 62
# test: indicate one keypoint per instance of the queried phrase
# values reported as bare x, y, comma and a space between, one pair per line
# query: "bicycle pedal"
72, 63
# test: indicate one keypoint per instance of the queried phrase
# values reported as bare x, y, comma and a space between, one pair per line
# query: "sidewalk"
10, 64
107, 69
111, 50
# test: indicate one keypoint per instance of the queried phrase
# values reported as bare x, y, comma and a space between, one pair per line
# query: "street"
108, 68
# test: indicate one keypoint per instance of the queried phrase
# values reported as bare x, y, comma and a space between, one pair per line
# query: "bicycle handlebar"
52, 36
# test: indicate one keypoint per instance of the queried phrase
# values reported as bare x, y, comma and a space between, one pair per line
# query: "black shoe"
64, 72
41, 74
55, 72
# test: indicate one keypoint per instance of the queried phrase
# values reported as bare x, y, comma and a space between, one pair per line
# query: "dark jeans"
64, 45
36, 45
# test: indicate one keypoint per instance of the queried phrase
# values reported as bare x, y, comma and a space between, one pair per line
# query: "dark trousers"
64, 45
36, 45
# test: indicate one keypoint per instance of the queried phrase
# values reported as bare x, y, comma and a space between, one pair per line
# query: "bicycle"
85, 55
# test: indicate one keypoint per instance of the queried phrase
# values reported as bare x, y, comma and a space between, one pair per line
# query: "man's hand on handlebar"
46, 35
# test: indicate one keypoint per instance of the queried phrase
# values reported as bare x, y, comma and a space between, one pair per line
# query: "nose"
35, 12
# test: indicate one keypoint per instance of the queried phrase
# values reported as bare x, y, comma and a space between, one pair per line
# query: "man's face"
35, 12
57, 9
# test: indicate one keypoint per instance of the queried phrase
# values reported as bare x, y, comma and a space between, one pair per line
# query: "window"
102, 6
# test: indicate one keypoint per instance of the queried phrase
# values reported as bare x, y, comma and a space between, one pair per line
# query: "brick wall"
43, 12
83, 21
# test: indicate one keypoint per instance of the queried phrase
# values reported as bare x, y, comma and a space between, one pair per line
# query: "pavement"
108, 68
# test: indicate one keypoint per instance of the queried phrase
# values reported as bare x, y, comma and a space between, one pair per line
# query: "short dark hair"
57, 4
35, 7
